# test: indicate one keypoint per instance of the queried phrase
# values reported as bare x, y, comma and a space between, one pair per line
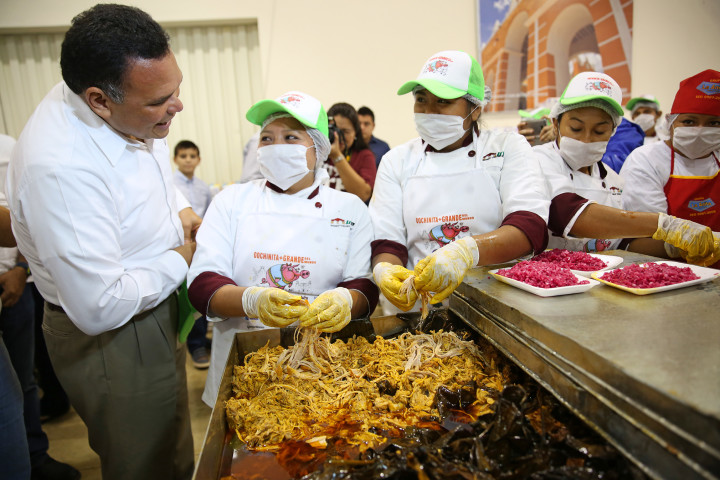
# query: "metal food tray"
642, 371
213, 458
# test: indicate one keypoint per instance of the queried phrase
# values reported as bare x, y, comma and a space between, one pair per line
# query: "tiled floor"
68, 435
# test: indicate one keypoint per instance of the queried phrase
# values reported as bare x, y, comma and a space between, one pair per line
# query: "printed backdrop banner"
530, 49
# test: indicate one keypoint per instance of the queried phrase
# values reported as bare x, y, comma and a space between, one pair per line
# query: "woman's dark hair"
348, 111
101, 44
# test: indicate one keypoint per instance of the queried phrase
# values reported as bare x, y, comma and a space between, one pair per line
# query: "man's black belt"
54, 308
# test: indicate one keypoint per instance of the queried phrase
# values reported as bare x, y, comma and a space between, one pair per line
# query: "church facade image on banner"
530, 49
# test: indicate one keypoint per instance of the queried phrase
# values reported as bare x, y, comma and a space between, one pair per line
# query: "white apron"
601, 192
441, 208
300, 253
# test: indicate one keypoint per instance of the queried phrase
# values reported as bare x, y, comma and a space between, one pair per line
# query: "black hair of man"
348, 111
367, 112
184, 145
101, 44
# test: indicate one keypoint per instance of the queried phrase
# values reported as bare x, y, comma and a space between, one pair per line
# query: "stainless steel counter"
643, 370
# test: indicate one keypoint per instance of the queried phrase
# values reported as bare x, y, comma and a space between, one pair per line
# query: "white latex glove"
330, 311
273, 306
389, 279
694, 239
442, 271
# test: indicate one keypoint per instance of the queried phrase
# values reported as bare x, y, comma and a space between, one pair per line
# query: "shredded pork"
305, 391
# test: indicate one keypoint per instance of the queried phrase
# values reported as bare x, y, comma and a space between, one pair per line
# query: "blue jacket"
627, 138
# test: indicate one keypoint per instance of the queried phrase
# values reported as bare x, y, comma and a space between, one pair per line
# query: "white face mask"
284, 164
440, 130
696, 142
579, 154
645, 120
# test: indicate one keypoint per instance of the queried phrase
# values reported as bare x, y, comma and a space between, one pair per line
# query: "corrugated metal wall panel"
221, 80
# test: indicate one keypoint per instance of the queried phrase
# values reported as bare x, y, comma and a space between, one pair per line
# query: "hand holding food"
695, 239
707, 260
273, 306
442, 271
389, 278
330, 311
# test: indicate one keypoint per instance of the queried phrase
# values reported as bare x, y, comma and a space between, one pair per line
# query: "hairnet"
558, 109
470, 98
320, 140
647, 103
476, 101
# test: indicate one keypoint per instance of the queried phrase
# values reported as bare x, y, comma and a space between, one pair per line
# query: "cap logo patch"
437, 65
598, 85
709, 88
292, 99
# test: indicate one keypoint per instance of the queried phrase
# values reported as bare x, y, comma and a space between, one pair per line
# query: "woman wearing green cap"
457, 196
645, 112
587, 197
268, 247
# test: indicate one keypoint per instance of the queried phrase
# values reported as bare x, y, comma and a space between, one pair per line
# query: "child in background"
187, 158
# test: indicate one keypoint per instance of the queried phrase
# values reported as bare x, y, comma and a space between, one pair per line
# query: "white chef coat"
250, 232
647, 169
561, 178
506, 158
94, 213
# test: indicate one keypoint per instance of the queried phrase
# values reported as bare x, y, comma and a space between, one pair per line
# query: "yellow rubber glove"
695, 239
389, 279
707, 260
273, 306
442, 271
330, 311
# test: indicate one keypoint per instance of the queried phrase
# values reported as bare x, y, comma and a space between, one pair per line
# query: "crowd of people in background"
326, 221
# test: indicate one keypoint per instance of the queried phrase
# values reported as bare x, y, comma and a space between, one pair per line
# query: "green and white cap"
587, 86
304, 108
536, 113
449, 74
648, 100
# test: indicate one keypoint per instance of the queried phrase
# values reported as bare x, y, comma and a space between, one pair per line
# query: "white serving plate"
611, 261
705, 274
547, 292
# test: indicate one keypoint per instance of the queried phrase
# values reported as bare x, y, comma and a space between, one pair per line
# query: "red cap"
699, 94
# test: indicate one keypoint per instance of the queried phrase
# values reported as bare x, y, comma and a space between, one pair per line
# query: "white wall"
354, 51
362, 51
673, 40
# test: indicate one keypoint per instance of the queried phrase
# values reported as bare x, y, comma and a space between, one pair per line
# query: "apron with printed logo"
691, 198
439, 209
301, 254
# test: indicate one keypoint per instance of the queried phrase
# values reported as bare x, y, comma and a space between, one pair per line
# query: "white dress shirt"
94, 213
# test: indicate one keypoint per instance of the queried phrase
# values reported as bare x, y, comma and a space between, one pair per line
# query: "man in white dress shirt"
96, 214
